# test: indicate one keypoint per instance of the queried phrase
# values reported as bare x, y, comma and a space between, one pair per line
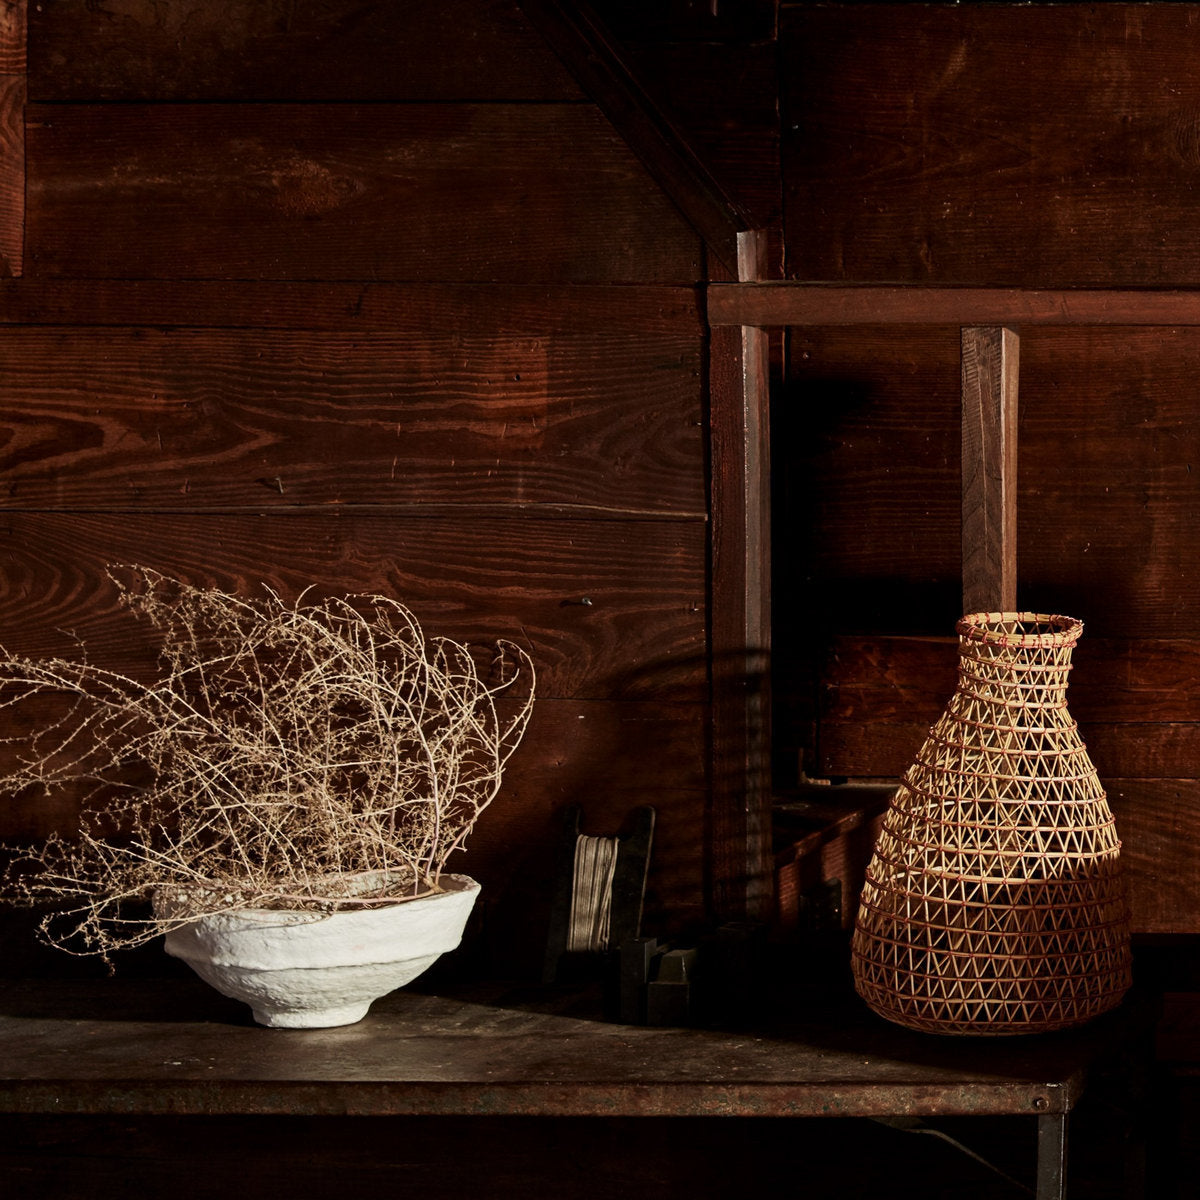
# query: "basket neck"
1017, 659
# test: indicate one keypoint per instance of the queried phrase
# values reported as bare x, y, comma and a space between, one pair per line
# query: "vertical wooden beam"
12, 137
741, 881
990, 366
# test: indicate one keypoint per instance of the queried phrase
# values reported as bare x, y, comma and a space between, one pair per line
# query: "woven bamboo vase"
994, 902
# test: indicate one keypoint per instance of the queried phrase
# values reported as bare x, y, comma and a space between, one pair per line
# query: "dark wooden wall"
1027, 146
367, 297
374, 296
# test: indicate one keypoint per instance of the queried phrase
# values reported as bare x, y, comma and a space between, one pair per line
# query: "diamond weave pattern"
994, 901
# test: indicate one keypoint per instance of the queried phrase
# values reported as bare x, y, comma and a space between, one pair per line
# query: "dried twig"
288, 749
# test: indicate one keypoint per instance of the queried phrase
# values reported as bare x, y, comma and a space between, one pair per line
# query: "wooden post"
741, 611
990, 359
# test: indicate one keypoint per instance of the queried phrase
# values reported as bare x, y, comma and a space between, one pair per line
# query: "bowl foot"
311, 1018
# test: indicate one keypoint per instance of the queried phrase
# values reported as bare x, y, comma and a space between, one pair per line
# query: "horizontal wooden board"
1159, 822
866, 470
786, 302
885, 749
1035, 145
1112, 681
724, 100
415, 309
1137, 703
467, 192
610, 758
284, 50
12, 175
606, 608
867, 478
147, 418
606, 755
13, 37
1109, 478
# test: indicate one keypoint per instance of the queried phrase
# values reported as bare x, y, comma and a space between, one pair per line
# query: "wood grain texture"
13, 21
12, 175
195, 419
288, 50
1019, 145
419, 310
741, 610
1113, 680
789, 302
1110, 478
1137, 703
1158, 822
885, 749
608, 756
600, 65
606, 609
990, 358
541, 193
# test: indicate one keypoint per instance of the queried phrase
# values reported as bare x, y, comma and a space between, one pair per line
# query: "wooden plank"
724, 99
867, 483
13, 19
838, 849
604, 614
12, 175
1110, 468
790, 303
444, 1055
990, 359
1113, 680
1158, 821
202, 419
418, 310
255, 50
885, 749
451, 193
912, 152
608, 756
599, 64
741, 630
1136, 701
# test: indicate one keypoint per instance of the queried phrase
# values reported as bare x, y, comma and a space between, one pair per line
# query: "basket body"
994, 901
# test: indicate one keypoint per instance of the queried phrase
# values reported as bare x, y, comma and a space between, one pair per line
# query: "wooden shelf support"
990, 364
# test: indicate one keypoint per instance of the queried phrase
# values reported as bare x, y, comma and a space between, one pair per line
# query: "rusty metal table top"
174, 1046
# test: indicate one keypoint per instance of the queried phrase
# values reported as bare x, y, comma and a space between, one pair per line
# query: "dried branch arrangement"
287, 749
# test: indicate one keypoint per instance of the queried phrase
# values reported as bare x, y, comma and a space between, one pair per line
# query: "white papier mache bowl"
304, 970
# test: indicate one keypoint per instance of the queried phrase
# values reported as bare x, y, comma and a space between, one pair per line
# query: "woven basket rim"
995, 628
